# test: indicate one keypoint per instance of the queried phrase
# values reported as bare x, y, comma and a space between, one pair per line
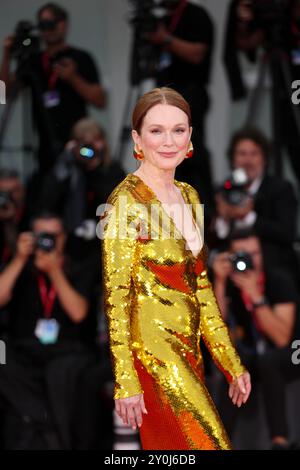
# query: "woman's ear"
135, 137
191, 130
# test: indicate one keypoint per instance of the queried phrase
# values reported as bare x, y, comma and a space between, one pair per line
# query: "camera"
270, 10
26, 41
45, 241
145, 17
5, 199
274, 17
234, 190
148, 13
26, 37
241, 261
87, 151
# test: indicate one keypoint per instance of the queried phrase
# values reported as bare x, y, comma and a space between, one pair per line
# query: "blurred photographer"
264, 202
48, 298
274, 26
81, 180
244, 33
13, 213
63, 80
186, 41
13, 219
260, 306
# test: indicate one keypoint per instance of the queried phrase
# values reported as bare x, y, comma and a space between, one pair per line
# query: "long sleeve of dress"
213, 329
118, 262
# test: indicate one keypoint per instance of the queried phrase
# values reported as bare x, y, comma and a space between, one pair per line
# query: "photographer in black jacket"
63, 80
13, 212
186, 43
260, 305
14, 218
270, 206
275, 27
47, 295
81, 180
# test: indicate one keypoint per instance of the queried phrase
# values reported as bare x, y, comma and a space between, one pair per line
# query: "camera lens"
234, 188
87, 151
5, 198
242, 261
241, 265
45, 241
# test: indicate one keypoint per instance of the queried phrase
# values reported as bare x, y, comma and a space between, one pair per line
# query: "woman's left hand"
240, 388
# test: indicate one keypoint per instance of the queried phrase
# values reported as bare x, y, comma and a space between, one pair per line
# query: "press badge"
165, 61
51, 99
296, 56
47, 330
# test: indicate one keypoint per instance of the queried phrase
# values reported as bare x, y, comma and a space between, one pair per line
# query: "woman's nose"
168, 139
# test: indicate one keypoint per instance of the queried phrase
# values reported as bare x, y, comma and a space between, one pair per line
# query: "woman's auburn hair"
164, 95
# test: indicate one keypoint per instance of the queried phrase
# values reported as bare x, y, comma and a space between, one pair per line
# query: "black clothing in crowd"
26, 306
275, 205
231, 53
276, 224
56, 105
75, 192
195, 25
282, 39
41, 386
269, 365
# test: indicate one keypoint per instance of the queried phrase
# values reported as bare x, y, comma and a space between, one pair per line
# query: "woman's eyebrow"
161, 125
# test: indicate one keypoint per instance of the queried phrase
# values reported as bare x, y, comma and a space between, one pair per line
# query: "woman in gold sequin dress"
157, 296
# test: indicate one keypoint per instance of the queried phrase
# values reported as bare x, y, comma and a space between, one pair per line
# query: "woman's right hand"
240, 388
131, 409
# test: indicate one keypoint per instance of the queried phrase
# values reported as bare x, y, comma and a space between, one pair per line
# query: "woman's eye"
155, 131
180, 130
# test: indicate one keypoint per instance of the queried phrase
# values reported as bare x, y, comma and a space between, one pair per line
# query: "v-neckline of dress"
186, 200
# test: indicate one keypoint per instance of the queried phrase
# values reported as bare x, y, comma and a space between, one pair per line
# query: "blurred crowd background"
72, 74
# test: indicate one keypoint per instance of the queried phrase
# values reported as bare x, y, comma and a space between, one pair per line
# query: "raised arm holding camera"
82, 178
260, 305
186, 41
48, 297
244, 268
46, 245
14, 212
274, 28
63, 79
254, 198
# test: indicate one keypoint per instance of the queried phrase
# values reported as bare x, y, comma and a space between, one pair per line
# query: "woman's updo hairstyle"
156, 96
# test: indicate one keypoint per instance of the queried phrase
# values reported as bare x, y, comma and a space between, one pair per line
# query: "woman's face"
164, 136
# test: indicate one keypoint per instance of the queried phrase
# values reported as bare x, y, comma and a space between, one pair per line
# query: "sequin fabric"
160, 304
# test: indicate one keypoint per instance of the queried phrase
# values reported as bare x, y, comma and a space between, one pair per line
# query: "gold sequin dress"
160, 304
